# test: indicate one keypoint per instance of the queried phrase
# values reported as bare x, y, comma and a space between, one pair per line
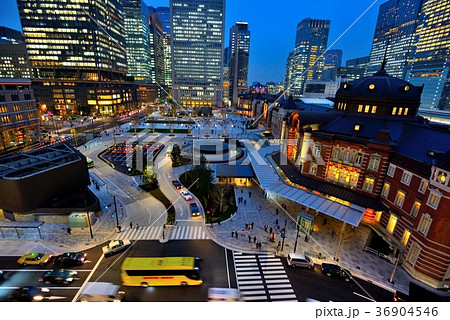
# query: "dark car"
29, 294
194, 210
177, 184
71, 259
59, 276
333, 270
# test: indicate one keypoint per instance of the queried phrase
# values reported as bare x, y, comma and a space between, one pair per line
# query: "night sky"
273, 25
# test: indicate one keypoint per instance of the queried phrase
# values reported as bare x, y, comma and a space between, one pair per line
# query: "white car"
187, 196
115, 246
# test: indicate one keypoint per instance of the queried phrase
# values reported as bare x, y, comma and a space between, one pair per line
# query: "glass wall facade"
239, 50
197, 51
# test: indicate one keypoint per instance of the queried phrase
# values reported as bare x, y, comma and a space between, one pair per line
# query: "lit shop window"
391, 224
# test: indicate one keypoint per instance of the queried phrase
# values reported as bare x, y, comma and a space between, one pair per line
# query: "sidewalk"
360, 263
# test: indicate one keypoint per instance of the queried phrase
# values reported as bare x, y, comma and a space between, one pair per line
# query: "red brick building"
373, 151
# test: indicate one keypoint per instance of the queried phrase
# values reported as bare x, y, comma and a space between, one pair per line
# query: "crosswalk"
155, 233
262, 278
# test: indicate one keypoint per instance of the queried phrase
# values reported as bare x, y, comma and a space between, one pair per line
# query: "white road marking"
88, 278
357, 294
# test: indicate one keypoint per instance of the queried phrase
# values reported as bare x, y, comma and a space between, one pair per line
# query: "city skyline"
270, 66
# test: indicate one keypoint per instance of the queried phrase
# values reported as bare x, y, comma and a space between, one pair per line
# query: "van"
299, 260
101, 292
224, 295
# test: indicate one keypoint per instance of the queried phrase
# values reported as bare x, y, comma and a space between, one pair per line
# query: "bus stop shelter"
21, 225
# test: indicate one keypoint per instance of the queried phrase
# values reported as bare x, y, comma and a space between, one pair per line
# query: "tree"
220, 195
176, 155
150, 178
204, 175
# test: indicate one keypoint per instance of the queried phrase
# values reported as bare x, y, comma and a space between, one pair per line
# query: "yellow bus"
161, 271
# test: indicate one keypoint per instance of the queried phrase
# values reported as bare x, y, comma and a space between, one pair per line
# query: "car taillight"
41, 279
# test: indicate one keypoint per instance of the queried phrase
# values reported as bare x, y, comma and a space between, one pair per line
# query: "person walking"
259, 208
270, 231
137, 226
232, 234
243, 232
245, 202
254, 239
249, 194
69, 230
237, 235
276, 211
276, 222
249, 238
253, 224
131, 225
277, 249
265, 228
120, 229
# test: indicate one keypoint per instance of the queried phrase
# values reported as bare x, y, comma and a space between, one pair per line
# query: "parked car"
115, 246
333, 270
177, 184
194, 210
299, 260
29, 294
71, 259
187, 196
58, 276
34, 258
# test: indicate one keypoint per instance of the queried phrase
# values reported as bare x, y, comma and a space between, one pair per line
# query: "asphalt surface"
217, 267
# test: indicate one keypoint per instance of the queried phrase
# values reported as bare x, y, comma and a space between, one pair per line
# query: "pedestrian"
306, 238
176, 224
259, 208
69, 230
253, 224
249, 194
279, 243
270, 230
246, 226
137, 226
236, 233
319, 255
131, 225
277, 249
276, 211
164, 227
232, 234
164, 235
265, 228
242, 233
276, 222
242, 190
249, 238
245, 202
254, 239
218, 222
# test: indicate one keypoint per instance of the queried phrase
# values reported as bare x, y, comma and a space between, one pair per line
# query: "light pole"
391, 279
115, 209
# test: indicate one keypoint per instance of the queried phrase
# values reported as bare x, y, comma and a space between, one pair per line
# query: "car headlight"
45, 289
38, 298
69, 279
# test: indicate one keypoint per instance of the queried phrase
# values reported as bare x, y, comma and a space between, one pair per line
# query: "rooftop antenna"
382, 71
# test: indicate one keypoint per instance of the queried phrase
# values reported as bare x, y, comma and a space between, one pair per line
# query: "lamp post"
115, 209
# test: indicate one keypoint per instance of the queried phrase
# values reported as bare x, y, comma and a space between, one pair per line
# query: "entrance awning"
21, 225
271, 181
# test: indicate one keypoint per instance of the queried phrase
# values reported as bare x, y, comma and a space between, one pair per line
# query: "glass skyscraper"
197, 32
429, 63
396, 23
239, 51
157, 52
307, 61
137, 38
77, 52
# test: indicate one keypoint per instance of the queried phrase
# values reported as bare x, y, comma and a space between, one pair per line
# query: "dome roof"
380, 86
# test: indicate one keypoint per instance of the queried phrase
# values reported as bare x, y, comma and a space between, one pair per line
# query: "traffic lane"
312, 283
212, 266
21, 278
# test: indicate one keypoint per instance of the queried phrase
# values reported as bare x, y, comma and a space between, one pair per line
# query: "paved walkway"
261, 211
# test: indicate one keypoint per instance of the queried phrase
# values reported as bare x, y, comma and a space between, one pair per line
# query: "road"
267, 280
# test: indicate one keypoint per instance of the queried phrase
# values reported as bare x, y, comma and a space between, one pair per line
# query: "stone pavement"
351, 256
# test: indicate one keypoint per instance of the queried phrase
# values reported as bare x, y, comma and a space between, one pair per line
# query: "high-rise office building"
396, 23
14, 62
163, 14
78, 58
226, 75
287, 81
360, 62
137, 38
307, 59
157, 53
430, 63
197, 32
332, 59
239, 51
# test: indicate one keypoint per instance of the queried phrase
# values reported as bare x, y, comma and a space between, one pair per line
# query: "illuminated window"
394, 111
400, 198
360, 107
406, 112
374, 109
442, 178
405, 237
378, 216
313, 168
391, 224
317, 149
413, 254
400, 110
385, 191
368, 183
433, 200
415, 208
424, 224
423, 186
367, 108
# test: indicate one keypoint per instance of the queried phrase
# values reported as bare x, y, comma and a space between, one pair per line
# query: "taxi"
34, 258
